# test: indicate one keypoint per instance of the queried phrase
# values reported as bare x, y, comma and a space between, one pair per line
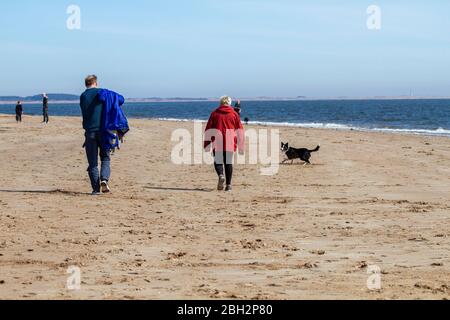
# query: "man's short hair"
225, 101
90, 80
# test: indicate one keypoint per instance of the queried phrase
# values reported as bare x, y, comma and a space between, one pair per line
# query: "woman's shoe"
221, 183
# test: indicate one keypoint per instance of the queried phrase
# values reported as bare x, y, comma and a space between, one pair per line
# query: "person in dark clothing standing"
19, 112
91, 109
237, 107
45, 107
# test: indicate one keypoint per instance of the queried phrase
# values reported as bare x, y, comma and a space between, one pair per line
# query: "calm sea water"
430, 117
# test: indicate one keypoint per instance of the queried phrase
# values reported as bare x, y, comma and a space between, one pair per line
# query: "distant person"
246, 120
237, 107
225, 133
19, 111
45, 107
99, 106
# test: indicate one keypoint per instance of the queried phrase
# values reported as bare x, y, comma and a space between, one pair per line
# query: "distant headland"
65, 98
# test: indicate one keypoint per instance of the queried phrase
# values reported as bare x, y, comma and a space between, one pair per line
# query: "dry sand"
164, 233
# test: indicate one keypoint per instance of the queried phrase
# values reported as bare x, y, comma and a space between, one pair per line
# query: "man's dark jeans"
93, 150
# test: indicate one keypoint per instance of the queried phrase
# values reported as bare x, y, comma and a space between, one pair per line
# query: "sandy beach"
369, 199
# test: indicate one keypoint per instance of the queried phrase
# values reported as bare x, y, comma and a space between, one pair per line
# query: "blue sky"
245, 48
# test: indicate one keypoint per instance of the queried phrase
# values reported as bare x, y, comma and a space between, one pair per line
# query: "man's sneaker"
221, 183
95, 193
228, 188
105, 187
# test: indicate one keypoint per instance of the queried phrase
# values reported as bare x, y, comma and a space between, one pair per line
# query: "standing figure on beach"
225, 133
237, 107
45, 107
19, 112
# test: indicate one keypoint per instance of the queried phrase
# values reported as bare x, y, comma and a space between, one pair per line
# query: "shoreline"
313, 126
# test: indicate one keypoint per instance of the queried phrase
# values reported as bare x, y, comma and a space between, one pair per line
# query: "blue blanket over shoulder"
114, 123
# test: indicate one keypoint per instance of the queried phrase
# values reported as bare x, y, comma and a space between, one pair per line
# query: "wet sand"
165, 233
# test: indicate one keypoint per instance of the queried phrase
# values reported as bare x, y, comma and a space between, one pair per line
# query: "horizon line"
261, 98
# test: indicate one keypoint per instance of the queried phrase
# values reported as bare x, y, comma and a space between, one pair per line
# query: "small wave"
180, 120
312, 125
437, 132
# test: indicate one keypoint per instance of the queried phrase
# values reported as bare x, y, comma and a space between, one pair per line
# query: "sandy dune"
306, 233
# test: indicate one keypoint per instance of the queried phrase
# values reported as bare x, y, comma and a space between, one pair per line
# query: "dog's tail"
315, 150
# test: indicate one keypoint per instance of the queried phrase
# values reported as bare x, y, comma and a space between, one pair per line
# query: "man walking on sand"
226, 133
91, 109
45, 107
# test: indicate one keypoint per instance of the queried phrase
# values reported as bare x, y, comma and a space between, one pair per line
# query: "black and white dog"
293, 153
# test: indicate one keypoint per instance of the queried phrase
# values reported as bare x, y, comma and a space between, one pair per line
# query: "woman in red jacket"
225, 133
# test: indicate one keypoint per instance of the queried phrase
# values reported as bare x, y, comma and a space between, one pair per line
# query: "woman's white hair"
226, 101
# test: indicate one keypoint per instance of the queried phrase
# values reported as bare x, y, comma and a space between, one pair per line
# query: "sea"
411, 116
